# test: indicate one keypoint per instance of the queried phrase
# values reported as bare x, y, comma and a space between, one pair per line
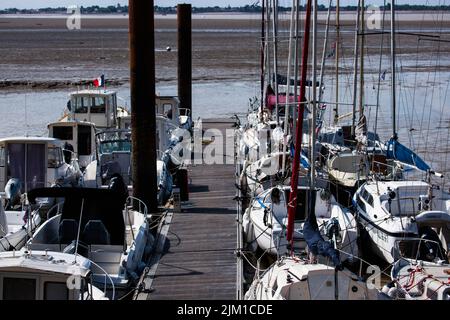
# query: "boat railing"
107, 276
142, 207
415, 244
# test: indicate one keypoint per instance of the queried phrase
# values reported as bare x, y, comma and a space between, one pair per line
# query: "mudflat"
41, 52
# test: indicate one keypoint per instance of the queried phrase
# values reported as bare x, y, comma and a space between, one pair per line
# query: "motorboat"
98, 225
97, 106
44, 275
114, 158
36, 162
78, 137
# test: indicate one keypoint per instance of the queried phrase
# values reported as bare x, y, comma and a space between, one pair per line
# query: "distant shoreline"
416, 16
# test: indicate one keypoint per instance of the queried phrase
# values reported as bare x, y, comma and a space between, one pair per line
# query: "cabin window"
98, 105
63, 133
55, 291
19, 289
2, 156
84, 140
302, 198
81, 105
55, 159
370, 200
167, 109
111, 108
26, 162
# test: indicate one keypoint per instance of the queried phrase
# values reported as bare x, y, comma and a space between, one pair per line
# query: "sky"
32, 4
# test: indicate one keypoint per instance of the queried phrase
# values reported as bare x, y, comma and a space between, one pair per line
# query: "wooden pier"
195, 255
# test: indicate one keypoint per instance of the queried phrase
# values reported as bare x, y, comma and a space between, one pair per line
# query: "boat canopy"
397, 151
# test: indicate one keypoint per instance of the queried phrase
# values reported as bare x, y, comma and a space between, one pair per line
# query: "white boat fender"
137, 250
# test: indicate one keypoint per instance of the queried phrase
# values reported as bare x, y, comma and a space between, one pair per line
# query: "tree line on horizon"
119, 9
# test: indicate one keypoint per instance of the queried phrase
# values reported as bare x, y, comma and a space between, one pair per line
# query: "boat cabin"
45, 276
80, 136
95, 106
36, 161
114, 155
167, 107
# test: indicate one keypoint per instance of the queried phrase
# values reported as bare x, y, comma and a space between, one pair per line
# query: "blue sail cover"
397, 151
316, 243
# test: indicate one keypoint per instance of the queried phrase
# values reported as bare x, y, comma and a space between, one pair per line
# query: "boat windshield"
115, 146
114, 141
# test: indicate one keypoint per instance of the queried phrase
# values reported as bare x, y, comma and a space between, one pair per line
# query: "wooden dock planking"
198, 260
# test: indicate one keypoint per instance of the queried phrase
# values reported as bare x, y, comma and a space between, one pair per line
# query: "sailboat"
265, 222
414, 279
395, 214
293, 278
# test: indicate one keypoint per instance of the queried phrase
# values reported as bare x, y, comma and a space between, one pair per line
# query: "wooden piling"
184, 16
143, 115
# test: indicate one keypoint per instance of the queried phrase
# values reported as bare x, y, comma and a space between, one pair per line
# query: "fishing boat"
114, 158
400, 212
36, 162
44, 275
98, 225
78, 137
97, 106
293, 278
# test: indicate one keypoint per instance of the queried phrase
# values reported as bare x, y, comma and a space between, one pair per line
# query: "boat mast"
263, 49
324, 56
297, 25
292, 205
312, 170
338, 32
393, 100
275, 55
288, 89
268, 58
361, 62
355, 70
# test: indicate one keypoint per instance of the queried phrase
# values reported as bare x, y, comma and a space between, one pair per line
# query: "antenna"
26, 118
78, 232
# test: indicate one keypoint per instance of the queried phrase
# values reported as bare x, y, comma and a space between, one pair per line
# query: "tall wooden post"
184, 16
143, 113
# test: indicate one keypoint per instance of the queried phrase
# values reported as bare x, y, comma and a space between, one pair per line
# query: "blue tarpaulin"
397, 151
304, 162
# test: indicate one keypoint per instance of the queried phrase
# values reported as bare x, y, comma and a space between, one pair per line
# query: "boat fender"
137, 250
150, 244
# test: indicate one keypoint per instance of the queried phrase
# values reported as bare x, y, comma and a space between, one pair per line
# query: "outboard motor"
13, 193
109, 170
431, 246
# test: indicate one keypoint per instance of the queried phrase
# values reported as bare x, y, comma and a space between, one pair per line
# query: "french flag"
100, 81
